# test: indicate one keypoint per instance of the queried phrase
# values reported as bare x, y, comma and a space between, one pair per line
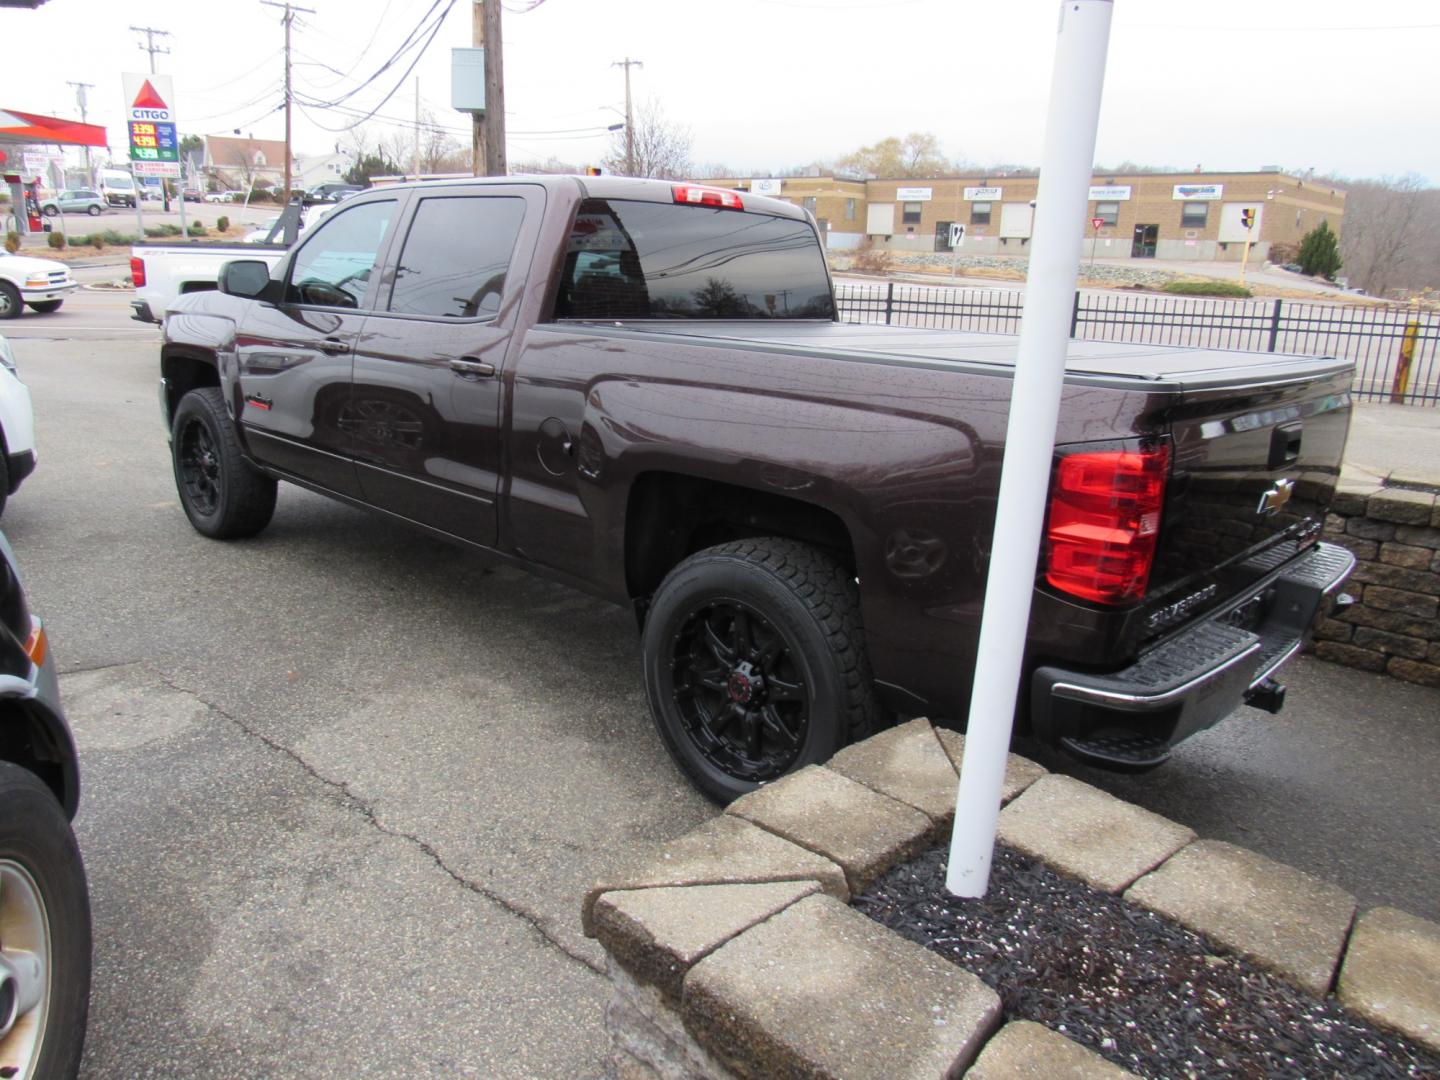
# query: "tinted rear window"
639, 260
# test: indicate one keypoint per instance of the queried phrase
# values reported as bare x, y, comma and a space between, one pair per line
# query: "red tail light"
1104, 523
691, 195
137, 271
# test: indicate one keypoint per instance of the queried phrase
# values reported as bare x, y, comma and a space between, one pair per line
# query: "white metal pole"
1059, 234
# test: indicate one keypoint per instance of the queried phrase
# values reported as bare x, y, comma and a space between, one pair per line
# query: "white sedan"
42, 284
17, 426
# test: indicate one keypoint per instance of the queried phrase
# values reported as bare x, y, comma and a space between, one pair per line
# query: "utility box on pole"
467, 80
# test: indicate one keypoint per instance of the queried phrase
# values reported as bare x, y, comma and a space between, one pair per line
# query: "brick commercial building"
1145, 215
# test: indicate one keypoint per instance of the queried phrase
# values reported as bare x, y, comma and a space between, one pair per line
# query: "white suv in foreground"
43, 284
17, 427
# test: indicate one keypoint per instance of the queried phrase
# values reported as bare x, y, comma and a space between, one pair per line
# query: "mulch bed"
1131, 985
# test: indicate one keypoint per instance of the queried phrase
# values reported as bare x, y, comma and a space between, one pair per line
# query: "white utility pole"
83, 102
1060, 208
417, 127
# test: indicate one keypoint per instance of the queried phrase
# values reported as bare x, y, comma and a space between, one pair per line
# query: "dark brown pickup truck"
641, 389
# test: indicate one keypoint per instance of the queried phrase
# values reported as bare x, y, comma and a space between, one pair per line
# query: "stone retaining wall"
733, 951
1394, 625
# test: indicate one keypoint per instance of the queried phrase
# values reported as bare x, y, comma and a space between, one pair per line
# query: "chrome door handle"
332, 346
467, 366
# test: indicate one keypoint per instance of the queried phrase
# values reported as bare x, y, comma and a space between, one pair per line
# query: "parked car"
217, 196
45, 930
17, 428
642, 389
75, 201
322, 193
42, 284
193, 196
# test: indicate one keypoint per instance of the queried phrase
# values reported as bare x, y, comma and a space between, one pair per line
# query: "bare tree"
1391, 234
551, 165
662, 148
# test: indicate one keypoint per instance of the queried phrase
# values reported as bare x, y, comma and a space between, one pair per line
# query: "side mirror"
244, 277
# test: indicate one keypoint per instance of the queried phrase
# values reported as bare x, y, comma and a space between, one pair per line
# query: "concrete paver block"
1024, 1050
907, 763
1020, 772
863, 831
1391, 974
1279, 917
821, 991
725, 850
1082, 831
1406, 507
659, 934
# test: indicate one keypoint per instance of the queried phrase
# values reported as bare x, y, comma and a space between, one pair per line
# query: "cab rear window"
642, 260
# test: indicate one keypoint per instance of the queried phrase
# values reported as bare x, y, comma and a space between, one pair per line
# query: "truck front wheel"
755, 663
223, 495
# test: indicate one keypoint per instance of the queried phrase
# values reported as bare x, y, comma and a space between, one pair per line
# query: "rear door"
423, 419
295, 357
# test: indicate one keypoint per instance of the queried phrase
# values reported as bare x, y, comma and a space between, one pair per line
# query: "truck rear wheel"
755, 663
224, 496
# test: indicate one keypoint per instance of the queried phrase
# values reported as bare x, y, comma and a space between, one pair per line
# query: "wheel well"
28, 741
671, 516
184, 372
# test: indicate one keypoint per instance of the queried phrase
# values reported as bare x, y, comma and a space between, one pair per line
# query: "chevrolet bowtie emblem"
1276, 497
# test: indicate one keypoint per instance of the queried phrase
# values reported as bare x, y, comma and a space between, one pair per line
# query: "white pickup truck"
163, 272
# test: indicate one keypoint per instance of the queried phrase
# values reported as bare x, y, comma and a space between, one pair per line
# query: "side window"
333, 268
456, 254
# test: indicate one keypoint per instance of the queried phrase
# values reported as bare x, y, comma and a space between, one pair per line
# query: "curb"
733, 952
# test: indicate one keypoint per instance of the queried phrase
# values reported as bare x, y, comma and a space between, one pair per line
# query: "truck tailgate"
1256, 453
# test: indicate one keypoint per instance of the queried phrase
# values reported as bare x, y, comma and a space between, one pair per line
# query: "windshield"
119, 183
644, 260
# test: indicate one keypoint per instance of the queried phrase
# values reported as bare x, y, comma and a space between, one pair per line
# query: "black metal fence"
1396, 350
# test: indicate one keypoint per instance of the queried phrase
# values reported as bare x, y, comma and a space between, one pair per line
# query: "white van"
117, 186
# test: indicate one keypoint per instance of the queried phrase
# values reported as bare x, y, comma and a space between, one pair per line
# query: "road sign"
150, 121
1096, 222
957, 234
169, 169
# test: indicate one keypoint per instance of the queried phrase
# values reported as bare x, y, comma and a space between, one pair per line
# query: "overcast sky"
768, 84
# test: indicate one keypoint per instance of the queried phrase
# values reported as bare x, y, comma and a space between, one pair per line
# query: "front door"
424, 413
1147, 237
295, 357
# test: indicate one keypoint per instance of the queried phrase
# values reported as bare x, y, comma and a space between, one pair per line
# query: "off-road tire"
803, 597
35, 835
224, 496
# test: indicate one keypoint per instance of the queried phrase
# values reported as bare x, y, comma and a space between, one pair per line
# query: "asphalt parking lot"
345, 785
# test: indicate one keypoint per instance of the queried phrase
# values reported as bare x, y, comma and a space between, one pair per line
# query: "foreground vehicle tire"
755, 663
44, 917
10, 304
223, 495
45, 307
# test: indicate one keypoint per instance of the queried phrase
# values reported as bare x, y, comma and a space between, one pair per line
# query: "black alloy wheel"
740, 691
755, 663
199, 465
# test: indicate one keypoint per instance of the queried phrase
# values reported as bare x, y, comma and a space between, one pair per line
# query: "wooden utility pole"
488, 143
417, 127
290, 10
627, 64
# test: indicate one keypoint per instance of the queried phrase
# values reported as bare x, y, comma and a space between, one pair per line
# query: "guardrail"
1396, 350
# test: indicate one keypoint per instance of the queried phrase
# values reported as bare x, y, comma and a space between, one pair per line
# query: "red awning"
22, 127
